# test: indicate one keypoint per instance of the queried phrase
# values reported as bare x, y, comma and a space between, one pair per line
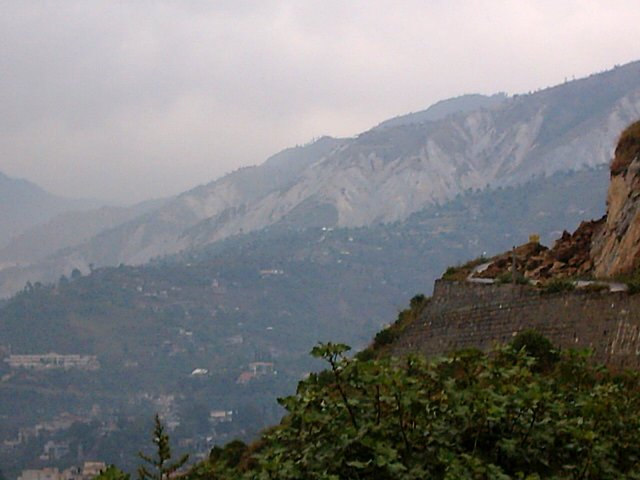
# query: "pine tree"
160, 467
112, 473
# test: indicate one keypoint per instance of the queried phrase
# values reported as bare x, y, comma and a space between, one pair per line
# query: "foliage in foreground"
160, 466
387, 336
470, 415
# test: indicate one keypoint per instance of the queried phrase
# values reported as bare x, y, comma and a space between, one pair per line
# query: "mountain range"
24, 204
324, 241
382, 175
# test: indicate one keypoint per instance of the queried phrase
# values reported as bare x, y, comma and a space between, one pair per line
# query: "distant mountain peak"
23, 204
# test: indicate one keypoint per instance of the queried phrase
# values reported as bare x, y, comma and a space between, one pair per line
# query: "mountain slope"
69, 229
444, 108
24, 204
386, 174
267, 295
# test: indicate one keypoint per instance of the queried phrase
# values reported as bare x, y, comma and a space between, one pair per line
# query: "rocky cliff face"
616, 248
603, 248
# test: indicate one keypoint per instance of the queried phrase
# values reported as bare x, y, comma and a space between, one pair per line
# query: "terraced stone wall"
467, 315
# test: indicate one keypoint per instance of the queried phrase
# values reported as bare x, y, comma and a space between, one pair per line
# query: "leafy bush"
418, 301
632, 281
112, 473
390, 334
633, 286
454, 274
230, 454
385, 337
469, 415
536, 346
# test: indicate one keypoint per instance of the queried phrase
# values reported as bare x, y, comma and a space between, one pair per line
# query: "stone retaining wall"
466, 315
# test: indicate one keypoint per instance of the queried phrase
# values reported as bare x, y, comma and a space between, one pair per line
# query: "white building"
50, 361
220, 416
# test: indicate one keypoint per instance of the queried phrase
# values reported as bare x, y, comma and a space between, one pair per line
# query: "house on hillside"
50, 361
220, 416
53, 451
256, 370
260, 369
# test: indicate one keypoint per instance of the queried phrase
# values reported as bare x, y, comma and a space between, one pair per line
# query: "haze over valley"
192, 197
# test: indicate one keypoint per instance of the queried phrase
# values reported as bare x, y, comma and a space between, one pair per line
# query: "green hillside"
264, 297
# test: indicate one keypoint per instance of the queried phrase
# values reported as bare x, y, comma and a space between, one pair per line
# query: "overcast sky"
128, 100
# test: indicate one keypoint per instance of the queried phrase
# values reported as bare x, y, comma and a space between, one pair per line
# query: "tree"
537, 346
76, 274
160, 467
112, 473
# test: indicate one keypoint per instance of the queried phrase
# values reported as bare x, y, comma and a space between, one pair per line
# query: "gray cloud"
130, 100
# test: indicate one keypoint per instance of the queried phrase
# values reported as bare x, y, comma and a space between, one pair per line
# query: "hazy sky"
127, 100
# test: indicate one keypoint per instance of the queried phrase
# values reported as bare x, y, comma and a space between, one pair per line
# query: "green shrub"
632, 281
391, 333
506, 277
418, 301
469, 415
537, 346
365, 355
454, 274
230, 454
385, 337
557, 285
633, 286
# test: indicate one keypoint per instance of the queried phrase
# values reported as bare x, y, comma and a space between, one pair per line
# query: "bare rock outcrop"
604, 248
568, 258
615, 249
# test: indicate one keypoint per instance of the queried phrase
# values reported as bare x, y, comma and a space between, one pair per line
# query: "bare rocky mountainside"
383, 175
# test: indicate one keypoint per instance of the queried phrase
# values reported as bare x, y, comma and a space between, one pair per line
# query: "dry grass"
628, 148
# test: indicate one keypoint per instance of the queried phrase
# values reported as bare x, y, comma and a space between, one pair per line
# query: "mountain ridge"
385, 174
444, 108
24, 204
